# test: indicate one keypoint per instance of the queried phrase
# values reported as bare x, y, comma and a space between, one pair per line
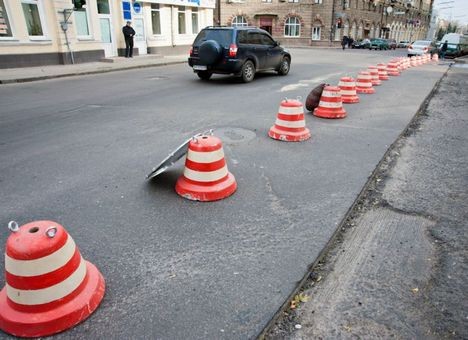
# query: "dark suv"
241, 51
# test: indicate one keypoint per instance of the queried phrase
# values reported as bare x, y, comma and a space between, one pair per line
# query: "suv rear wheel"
205, 75
248, 71
284, 66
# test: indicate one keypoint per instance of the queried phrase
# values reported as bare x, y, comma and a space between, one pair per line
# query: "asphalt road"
77, 151
399, 269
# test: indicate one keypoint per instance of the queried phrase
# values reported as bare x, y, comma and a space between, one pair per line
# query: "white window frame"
184, 11
7, 11
89, 36
240, 24
318, 2
316, 33
160, 23
40, 9
195, 13
298, 24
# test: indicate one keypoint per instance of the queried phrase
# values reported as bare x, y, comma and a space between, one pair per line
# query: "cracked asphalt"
399, 267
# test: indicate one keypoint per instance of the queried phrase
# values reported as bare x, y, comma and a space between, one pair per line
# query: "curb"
78, 73
329, 246
461, 60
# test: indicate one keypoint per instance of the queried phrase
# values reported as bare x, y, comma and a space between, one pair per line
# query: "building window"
293, 0
103, 7
267, 1
181, 20
316, 31
81, 22
5, 28
239, 20
156, 19
33, 18
292, 27
346, 4
317, 1
194, 20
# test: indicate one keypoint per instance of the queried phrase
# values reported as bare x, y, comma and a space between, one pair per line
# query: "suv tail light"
191, 51
410, 47
425, 48
232, 50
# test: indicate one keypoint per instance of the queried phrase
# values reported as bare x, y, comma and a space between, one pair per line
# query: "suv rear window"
223, 36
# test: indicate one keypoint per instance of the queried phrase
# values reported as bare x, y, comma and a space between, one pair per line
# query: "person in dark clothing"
128, 33
443, 49
344, 41
350, 42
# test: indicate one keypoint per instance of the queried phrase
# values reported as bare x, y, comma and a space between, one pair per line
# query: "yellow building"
47, 32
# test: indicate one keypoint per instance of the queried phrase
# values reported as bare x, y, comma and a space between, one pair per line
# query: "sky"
457, 10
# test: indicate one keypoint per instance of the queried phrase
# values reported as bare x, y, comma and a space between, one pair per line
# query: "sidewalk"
398, 267
26, 74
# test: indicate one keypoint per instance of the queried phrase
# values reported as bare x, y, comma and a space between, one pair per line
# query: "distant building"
37, 32
325, 22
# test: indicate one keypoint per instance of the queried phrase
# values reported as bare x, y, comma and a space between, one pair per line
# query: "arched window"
292, 27
239, 20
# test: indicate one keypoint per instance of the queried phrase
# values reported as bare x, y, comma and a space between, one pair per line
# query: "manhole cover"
234, 135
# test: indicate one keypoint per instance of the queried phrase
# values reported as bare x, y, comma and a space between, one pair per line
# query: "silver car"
419, 47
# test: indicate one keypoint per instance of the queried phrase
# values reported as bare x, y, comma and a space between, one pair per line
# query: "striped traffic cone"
414, 62
49, 287
290, 122
347, 87
435, 58
392, 69
364, 83
373, 70
331, 105
382, 71
206, 176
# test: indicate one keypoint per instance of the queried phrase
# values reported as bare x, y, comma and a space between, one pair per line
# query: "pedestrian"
443, 49
350, 42
344, 41
128, 33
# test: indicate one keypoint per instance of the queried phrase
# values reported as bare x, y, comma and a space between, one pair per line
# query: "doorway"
105, 23
266, 24
140, 38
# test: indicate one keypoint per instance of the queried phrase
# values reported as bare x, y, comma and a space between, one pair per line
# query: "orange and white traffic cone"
347, 87
382, 71
331, 105
364, 83
290, 122
49, 286
435, 58
206, 176
392, 69
373, 70
407, 62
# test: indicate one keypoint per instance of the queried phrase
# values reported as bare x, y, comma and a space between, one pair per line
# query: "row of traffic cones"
50, 287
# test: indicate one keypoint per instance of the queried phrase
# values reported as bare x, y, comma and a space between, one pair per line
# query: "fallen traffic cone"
206, 176
375, 75
331, 105
347, 87
435, 58
49, 286
290, 123
364, 83
382, 71
392, 69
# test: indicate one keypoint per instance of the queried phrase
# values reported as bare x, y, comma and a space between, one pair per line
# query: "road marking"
308, 82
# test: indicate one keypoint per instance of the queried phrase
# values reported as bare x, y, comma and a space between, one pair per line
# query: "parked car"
392, 44
378, 44
403, 44
241, 51
361, 43
457, 44
420, 47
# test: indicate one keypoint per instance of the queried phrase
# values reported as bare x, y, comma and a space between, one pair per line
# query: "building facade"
325, 22
46, 32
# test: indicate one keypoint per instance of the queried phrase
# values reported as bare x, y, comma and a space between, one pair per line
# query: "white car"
419, 47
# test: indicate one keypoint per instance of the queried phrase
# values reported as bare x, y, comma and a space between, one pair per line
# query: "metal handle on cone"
13, 226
